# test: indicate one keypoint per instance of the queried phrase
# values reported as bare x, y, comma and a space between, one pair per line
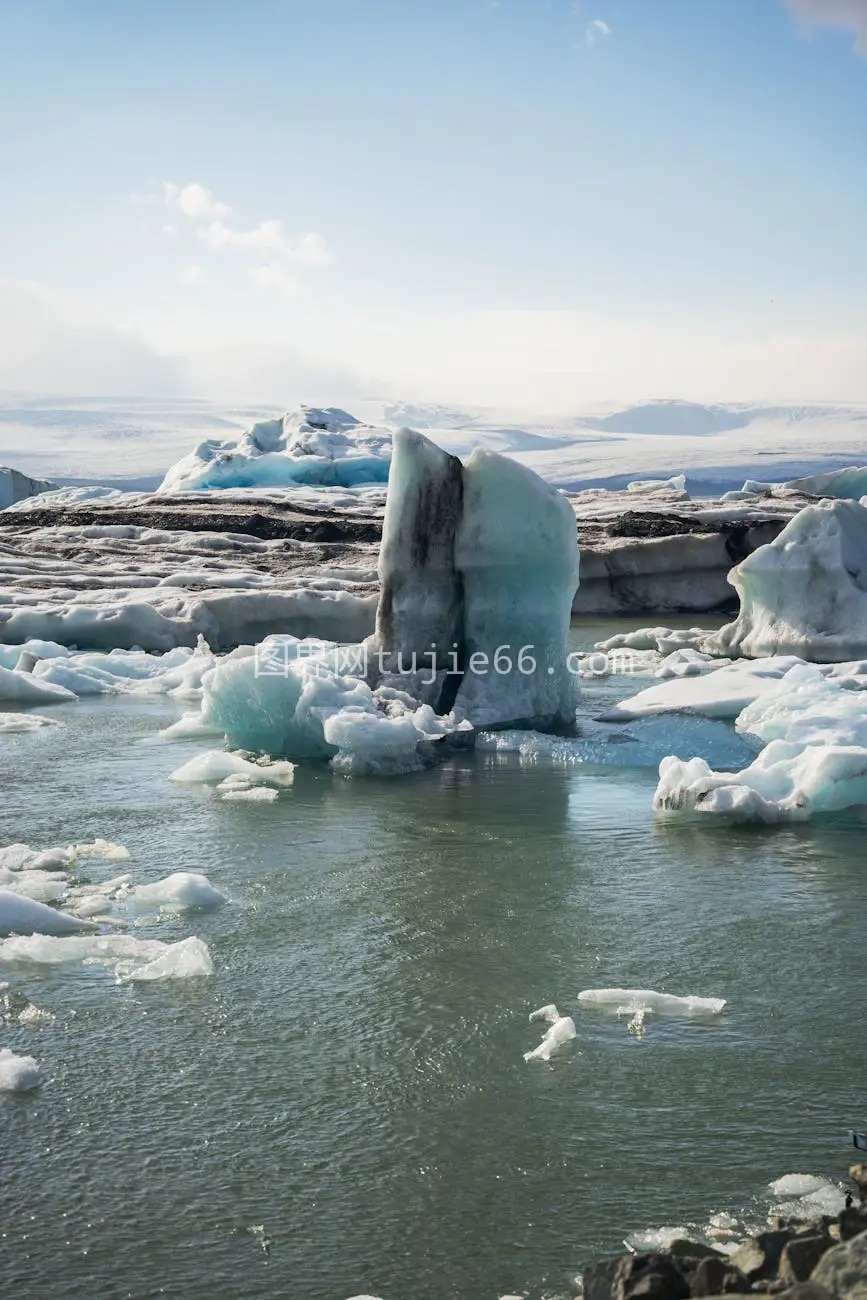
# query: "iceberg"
723, 693
23, 688
15, 486
804, 593
478, 569
217, 765
309, 446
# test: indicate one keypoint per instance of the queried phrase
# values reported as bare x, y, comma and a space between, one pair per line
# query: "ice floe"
129, 956
18, 1073
632, 1000
560, 1030
11, 723
22, 915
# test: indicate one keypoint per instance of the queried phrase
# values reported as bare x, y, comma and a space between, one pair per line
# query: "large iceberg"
310, 446
15, 486
806, 592
479, 568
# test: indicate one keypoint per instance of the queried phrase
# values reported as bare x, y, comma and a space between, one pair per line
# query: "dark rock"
842, 1270
759, 1256
683, 1248
801, 1256
716, 1276
852, 1221
636, 1277
805, 1291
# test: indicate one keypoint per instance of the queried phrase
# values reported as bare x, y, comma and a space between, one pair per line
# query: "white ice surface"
308, 446
17, 1073
560, 1030
182, 889
215, 765
649, 999
25, 688
804, 593
127, 955
23, 722
21, 915
814, 760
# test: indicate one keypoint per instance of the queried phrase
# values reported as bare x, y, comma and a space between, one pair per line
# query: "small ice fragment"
215, 765
659, 1003
181, 889
636, 1024
247, 794
188, 959
100, 849
17, 1073
796, 1185
17, 722
560, 1032
549, 1013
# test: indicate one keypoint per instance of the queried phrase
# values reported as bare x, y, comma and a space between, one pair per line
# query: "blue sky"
532, 202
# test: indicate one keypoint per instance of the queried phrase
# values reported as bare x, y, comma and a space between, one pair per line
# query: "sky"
534, 204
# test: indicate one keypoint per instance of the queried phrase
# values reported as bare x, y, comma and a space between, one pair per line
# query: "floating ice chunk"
548, 1013
99, 848
647, 486
76, 678
662, 639
796, 1185
24, 688
179, 890
187, 959
131, 957
373, 745
721, 694
246, 793
189, 726
216, 765
42, 886
20, 915
23, 722
659, 1003
561, 1030
17, 1073
689, 663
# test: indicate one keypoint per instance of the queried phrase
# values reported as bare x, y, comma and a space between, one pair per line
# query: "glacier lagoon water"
344, 1107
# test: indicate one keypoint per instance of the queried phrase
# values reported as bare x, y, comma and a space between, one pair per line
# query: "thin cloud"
844, 15
594, 30
274, 254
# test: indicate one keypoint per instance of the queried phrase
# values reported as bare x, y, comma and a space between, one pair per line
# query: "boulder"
801, 1256
716, 1276
842, 1271
759, 1256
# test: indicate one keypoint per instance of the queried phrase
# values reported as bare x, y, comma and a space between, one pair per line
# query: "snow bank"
307, 446
806, 592
18, 1073
649, 1000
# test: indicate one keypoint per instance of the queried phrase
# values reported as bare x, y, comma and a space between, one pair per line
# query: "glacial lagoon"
343, 1108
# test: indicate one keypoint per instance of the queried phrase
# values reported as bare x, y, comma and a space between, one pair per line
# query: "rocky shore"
822, 1259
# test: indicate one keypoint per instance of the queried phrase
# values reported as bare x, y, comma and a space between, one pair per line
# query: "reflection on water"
352, 1077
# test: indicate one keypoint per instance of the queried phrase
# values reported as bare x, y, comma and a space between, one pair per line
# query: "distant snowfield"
124, 442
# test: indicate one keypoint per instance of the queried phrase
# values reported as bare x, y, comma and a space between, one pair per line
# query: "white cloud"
209, 219
192, 275
845, 15
193, 200
594, 30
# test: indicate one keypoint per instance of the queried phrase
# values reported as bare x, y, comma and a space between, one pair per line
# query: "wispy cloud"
594, 30
845, 15
273, 254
